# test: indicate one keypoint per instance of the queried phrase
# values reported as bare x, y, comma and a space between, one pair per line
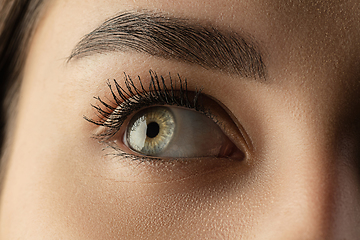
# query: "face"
269, 151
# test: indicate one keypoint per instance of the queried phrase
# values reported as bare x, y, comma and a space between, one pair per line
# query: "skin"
300, 178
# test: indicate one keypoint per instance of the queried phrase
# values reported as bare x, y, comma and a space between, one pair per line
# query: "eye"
165, 121
176, 132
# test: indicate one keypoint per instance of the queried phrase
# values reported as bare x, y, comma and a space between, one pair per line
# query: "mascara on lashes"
131, 98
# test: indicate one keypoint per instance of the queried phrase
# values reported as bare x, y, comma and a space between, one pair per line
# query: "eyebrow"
174, 38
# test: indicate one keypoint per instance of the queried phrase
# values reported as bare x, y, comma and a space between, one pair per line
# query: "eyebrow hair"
174, 38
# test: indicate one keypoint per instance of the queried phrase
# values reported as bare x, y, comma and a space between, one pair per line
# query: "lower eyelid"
182, 171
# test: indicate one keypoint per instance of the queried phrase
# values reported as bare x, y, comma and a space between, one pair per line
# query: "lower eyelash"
130, 99
117, 152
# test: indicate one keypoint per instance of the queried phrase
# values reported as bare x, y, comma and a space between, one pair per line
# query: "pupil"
152, 130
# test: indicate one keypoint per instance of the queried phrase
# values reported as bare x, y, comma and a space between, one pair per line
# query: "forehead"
323, 24
312, 37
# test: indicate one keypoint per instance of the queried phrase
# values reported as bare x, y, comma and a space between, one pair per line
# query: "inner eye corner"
236, 132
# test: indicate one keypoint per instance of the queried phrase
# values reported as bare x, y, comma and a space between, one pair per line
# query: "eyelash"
128, 100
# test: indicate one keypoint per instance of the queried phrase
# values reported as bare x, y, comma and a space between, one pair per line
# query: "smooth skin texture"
300, 178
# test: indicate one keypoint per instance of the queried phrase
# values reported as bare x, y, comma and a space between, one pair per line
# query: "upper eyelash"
132, 98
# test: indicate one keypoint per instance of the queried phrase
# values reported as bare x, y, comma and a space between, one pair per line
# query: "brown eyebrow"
174, 38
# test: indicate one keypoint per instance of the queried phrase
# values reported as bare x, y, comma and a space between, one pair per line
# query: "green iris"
151, 130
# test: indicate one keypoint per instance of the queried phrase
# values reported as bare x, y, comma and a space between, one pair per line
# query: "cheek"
63, 183
102, 205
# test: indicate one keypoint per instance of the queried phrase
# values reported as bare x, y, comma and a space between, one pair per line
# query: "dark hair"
17, 23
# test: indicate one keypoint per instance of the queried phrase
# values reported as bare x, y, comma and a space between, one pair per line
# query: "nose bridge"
319, 188
346, 213
310, 187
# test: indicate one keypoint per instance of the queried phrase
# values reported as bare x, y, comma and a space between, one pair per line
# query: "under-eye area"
164, 121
